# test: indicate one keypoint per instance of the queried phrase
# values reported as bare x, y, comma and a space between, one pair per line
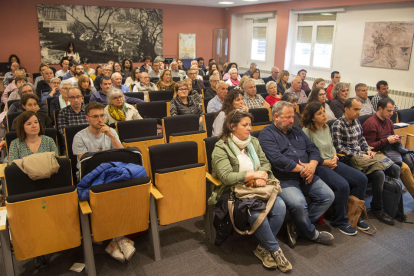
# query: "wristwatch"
302, 169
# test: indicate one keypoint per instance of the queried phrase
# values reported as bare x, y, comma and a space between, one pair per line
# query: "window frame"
314, 25
250, 44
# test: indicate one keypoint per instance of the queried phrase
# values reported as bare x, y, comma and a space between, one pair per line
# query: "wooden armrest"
85, 208
3, 213
63, 156
409, 134
154, 191
371, 148
2, 167
341, 154
213, 180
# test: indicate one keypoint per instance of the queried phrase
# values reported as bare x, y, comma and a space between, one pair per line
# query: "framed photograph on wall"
186, 46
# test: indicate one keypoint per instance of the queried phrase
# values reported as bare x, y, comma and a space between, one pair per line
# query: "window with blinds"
314, 40
258, 51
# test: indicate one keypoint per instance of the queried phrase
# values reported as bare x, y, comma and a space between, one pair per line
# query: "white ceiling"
206, 3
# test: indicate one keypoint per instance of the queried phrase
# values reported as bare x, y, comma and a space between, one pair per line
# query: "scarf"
234, 82
116, 112
235, 144
62, 103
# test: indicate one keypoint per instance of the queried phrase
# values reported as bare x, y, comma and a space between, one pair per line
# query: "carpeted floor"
186, 252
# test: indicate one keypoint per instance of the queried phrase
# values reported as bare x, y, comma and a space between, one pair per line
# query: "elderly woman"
84, 85
293, 99
232, 101
319, 95
237, 159
133, 78
117, 109
30, 102
234, 78
14, 95
231, 65
255, 75
182, 103
273, 97
62, 101
54, 85
165, 82
97, 73
30, 137
282, 82
340, 95
342, 179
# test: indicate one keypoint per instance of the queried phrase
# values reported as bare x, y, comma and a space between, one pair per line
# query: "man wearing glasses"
100, 96
107, 72
211, 91
144, 85
197, 84
73, 114
275, 75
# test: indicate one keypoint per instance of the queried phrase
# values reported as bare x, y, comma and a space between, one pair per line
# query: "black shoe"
383, 217
40, 262
292, 234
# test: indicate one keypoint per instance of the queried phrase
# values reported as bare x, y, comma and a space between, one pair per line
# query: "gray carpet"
186, 252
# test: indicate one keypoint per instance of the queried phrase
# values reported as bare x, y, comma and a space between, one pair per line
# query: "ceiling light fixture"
226, 3
326, 13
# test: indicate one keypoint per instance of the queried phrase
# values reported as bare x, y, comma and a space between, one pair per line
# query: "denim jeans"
377, 179
321, 197
343, 180
267, 231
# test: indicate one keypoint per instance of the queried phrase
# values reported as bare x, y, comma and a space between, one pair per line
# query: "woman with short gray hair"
234, 77
273, 97
117, 109
340, 94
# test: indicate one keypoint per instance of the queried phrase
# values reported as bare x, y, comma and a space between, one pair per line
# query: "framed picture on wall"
186, 46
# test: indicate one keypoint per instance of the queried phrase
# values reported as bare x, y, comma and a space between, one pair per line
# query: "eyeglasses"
27, 91
322, 94
101, 116
183, 89
75, 97
191, 73
55, 82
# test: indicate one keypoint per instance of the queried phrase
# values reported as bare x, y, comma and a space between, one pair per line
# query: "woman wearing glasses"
319, 95
237, 159
183, 104
117, 109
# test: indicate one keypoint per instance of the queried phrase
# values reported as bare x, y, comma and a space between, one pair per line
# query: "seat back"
86, 99
261, 88
9, 103
176, 79
154, 80
70, 133
363, 118
205, 103
256, 133
406, 115
180, 124
394, 118
155, 110
139, 95
10, 118
48, 100
164, 95
181, 180
260, 118
302, 107
209, 120
209, 144
136, 129
330, 123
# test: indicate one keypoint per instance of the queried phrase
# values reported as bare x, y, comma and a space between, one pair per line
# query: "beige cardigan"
131, 114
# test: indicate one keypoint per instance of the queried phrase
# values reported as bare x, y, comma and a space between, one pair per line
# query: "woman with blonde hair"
165, 82
84, 85
282, 82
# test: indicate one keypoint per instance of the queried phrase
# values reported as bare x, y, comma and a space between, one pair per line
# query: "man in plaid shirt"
382, 89
348, 139
251, 99
73, 114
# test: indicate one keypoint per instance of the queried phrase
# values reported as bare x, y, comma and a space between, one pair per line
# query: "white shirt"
245, 163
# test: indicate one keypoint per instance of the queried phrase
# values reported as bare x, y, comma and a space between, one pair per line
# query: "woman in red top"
273, 96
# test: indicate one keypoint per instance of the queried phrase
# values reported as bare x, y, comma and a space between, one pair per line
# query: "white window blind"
259, 43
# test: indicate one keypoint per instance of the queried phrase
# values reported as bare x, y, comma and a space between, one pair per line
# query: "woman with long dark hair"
71, 53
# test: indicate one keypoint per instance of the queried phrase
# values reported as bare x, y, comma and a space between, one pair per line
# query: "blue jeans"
343, 180
321, 197
267, 231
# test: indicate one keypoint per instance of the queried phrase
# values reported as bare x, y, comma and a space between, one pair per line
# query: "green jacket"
225, 167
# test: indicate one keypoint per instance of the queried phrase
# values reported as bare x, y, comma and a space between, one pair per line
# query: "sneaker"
264, 255
324, 238
282, 263
292, 234
126, 247
362, 225
347, 230
113, 250
383, 217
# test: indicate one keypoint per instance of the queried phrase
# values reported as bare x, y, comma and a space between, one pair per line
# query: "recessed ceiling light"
226, 3
326, 13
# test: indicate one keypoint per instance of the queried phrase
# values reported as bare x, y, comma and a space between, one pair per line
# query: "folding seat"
70, 133
180, 179
208, 123
260, 118
141, 134
164, 95
86, 99
205, 104
48, 100
261, 88
9, 119
256, 133
363, 118
155, 110
184, 128
9, 103
139, 95
154, 80
43, 215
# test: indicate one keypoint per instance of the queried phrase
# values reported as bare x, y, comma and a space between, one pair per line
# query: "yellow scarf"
116, 112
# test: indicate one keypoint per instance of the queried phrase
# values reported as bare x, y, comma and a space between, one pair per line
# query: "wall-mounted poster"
99, 33
387, 45
187, 46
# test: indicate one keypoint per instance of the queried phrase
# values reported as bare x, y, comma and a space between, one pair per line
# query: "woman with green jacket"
238, 158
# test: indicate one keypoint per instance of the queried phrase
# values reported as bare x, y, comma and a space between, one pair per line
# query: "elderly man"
335, 78
145, 85
54, 91
10, 75
100, 96
253, 67
192, 74
296, 87
382, 89
251, 98
44, 85
211, 91
361, 92
107, 72
146, 66
348, 139
275, 75
294, 159
64, 63
175, 72
379, 133
155, 71
302, 74
62, 100
216, 103
117, 82
72, 70
340, 95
